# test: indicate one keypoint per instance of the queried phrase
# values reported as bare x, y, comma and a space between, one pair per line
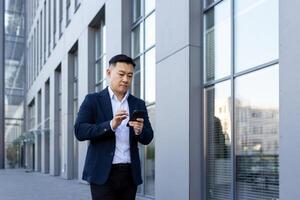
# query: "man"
112, 165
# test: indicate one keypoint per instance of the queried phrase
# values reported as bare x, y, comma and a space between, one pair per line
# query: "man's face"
120, 77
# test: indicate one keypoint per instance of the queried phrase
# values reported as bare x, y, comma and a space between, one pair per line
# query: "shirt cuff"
110, 123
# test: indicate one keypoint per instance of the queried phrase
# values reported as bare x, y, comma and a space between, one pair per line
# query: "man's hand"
137, 125
118, 118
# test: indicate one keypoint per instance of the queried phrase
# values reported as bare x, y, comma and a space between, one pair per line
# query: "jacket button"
105, 130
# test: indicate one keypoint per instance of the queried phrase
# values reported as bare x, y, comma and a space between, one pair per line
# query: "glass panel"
208, 2
103, 67
14, 5
76, 65
136, 84
149, 6
14, 24
98, 72
217, 39
137, 43
256, 27
150, 158
98, 43
150, 76
218, 139
75, 87
137, 10
150, 31
257, 137
104, 38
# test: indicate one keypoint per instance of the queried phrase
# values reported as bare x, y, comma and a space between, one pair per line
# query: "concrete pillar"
178, 136
289, 94
54, 137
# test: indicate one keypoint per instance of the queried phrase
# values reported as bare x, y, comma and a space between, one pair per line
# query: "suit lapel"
106, 104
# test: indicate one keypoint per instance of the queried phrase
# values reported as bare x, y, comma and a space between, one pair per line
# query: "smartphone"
137, 114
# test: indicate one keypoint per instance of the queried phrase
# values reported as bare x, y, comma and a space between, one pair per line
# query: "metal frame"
2, 84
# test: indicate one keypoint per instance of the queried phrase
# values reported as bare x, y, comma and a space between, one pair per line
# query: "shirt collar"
113, 96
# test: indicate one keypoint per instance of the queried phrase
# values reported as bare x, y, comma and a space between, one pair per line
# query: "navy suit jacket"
93, 124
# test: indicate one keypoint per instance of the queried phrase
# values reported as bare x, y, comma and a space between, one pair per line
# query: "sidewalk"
16, 184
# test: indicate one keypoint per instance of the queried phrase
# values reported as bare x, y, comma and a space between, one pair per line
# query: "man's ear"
108, 72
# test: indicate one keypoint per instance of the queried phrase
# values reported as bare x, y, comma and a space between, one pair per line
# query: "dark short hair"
121, 58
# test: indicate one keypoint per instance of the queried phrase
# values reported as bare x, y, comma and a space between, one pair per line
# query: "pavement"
17, 184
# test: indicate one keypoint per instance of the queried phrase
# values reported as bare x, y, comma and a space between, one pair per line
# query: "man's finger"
140, 119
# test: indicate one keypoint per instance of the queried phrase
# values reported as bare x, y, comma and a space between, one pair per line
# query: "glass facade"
241, 98
143, 85
14, 25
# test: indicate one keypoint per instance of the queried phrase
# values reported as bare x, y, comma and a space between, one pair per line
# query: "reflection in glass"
137, 44
136, 10
150, 157
150, 31
217, 41
14, 29
98, 44
257, 116
256, 38
136, 81
98, 72
150, 76
218, 139
149, 6
14, 5
208, 2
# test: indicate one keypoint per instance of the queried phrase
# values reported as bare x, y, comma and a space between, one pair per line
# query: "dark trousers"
119, 186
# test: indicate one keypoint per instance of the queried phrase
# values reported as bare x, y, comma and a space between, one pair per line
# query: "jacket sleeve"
146, 135
85, 126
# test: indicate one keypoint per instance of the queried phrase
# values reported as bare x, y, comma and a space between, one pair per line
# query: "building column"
178, 137
289, 104
54, 136
67, 115
37, 137
118, 25
85, 85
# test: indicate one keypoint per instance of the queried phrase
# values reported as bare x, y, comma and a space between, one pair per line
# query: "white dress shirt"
122, 151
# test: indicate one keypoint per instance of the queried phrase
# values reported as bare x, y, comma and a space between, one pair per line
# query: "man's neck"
119, 96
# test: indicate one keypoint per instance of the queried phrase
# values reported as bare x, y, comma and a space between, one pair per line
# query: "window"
45, 28
75, 110
241, 90
34, 54
100, 56
73, 93
77, 4
41, 40
54, 23
37, 47
143, 85
60, 17
58, 94
49, 28
68, 12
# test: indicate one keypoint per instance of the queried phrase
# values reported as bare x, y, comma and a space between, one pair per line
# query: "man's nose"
125, 79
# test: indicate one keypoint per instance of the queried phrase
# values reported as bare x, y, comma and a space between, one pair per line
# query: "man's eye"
121, 74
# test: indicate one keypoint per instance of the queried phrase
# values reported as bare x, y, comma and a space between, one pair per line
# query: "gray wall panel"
289, 76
